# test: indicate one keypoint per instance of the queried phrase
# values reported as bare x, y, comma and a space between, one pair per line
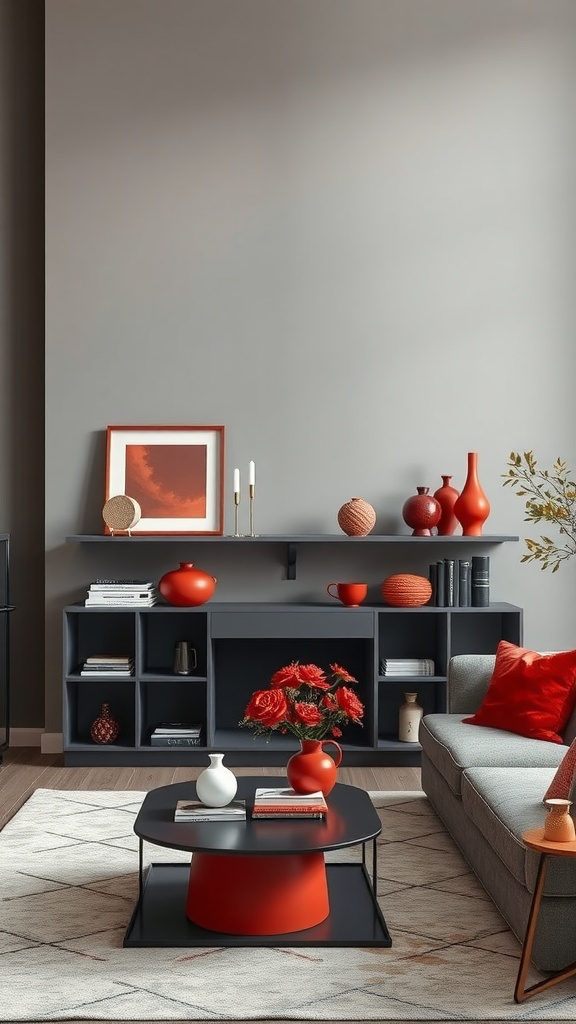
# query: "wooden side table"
534, 840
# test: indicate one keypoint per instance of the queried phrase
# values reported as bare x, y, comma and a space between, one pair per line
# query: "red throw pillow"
530, 694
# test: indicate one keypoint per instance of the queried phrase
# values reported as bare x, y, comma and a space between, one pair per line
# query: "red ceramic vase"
422, 512
446, 496
187, 586
311, 769
472, 508
105, 728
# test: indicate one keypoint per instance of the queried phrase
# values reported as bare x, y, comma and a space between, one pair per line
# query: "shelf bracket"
290, 561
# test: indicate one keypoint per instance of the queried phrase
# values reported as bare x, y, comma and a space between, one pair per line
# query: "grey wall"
344, 230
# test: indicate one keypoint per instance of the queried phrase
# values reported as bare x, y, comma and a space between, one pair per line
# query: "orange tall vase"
311, 769
472, 508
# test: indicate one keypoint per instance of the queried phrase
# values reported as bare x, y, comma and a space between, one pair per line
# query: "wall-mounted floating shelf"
292, 542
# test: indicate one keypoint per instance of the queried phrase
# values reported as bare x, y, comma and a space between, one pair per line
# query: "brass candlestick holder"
251, 489
236, 504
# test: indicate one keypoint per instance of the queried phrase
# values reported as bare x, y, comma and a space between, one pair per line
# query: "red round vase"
187, 586
422, 512
311, 769
446, 496
472, 507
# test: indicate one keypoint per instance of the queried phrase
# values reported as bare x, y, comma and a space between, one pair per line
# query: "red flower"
343, 675
269, 707
309, 714
348, 702
313, 676
286, 677
305, 702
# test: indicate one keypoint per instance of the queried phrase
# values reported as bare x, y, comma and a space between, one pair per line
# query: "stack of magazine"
195, 810
119, 666
177, 734
283, 802
407, 667
121, 593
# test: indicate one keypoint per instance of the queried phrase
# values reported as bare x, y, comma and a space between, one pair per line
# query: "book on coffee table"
195, 810
284, 802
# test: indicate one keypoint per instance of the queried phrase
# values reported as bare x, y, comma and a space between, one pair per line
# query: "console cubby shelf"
291, 541
238, 647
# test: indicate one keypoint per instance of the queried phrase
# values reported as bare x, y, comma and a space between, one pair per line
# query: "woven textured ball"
406, 591
121, 512
356, 517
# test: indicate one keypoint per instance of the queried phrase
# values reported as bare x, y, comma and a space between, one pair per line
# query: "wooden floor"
24, 769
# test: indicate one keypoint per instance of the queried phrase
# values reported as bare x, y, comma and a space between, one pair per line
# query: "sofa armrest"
468, 679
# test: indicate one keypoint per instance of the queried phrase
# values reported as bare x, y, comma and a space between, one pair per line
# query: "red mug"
350, 594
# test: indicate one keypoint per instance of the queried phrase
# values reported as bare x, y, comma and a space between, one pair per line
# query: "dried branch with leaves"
550, 498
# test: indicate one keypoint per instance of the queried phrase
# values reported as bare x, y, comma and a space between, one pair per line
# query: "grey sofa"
488, 785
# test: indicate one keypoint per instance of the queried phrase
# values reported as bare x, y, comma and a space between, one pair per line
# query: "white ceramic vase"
216, 786
409, 718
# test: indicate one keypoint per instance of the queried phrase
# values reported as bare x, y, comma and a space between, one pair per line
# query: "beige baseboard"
25, 737
51, 743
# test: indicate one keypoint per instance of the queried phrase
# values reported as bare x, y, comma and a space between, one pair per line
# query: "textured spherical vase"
404, 590
422, 512
356, 517
472, 508
105, 728
446, 497
559, 825
409, 718
312, 769
187, 586
216, 786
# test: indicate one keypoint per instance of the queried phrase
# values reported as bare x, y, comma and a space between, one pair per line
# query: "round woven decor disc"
121, 512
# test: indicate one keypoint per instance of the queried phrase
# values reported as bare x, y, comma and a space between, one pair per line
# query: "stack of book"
286, 803
122, 593
407, 667
195, 810
461, 582
116, 665
177, 734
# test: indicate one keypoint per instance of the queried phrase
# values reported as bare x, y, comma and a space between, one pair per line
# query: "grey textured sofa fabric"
488, 787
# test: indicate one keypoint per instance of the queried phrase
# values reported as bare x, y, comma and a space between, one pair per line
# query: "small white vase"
216, 786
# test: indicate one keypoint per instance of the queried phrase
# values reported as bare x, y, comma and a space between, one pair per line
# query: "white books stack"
121, 593
119, 666
407, 667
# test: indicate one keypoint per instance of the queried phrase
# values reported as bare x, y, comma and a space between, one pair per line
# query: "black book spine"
464, 595
432, 574
440, 584
449, 582
480, 581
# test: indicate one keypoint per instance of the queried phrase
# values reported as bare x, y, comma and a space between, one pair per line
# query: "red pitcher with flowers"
312, 705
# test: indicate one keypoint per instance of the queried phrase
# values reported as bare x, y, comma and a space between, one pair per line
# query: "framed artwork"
176, 474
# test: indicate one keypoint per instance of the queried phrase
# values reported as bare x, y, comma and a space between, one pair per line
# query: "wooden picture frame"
176, 474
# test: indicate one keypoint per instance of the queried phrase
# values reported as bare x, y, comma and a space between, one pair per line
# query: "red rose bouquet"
305, 701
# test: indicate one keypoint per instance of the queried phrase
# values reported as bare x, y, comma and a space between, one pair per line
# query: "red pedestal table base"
257, 895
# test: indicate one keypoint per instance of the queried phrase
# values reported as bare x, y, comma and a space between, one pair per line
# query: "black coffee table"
258, 883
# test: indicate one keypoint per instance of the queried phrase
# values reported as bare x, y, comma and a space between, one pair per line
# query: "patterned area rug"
68, 885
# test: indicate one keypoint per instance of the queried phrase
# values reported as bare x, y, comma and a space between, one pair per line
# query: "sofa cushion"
530, 694
505, 802
452, 746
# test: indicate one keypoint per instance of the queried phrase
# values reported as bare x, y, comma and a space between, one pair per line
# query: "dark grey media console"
239, 646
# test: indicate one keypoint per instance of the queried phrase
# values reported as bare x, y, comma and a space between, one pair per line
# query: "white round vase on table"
216, 786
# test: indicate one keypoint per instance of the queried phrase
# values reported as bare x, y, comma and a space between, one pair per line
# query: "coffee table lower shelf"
159, 919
